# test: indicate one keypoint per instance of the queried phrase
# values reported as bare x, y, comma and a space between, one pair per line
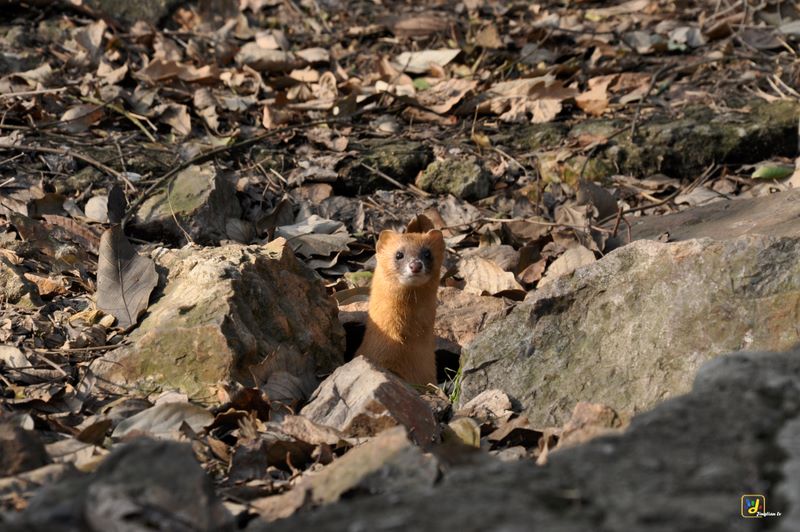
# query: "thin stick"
32, 93
411, 188
65, 153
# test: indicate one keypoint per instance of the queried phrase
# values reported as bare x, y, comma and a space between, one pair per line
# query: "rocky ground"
190, 194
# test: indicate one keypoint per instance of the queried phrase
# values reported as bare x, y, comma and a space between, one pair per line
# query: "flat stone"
360, 399
388, 463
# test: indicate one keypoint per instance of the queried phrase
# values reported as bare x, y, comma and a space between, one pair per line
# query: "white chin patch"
408, 279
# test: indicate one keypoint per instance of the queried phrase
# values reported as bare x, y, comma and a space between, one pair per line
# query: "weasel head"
411, 259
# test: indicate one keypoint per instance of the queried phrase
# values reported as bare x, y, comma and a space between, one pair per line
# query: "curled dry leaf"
97, 208
572, 259
538, 97
316, 236
483, 276
595, 100
164, 420
125, 279
420, 62
81, 117
446, 94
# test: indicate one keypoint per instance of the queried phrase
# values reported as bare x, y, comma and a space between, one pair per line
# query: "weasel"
402, 305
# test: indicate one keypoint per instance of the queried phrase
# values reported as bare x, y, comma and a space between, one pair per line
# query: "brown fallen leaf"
81, 117
572, 259
125, 279
595, 100
45, 285
418, 26
486, 277
443, 96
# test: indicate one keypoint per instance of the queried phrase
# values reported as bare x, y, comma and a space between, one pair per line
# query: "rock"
588, 420
14, 288
246, 314
24, 485
682, 467
401, 160
487, 405
633, 328
140, 483
464, 179
682, 147
199, 198
773, 215
388, 463
359, 399
461, 315
20, 450
151, 11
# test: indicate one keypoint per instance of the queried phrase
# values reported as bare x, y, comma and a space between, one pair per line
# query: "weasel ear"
435, 237
419, 224
384, 238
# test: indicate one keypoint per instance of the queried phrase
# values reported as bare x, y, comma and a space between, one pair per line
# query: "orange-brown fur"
399, 333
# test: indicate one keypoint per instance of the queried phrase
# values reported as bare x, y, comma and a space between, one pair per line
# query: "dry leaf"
446, 94
420, 25
164, 420
81, 117
595, 100
420, 62
572, 259
485, 277
125, 279
489, 37
46, 285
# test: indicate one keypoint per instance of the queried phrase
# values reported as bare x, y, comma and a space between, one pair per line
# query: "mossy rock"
464, 179
401, 160
252, 315
198, 202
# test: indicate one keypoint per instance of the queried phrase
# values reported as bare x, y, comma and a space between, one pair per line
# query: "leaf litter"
308, 122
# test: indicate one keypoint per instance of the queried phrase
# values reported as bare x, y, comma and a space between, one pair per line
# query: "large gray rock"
681, 467
250, 314
143, 485
633, 328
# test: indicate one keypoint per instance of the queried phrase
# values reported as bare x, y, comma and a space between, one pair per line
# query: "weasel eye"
399, 255
426, 254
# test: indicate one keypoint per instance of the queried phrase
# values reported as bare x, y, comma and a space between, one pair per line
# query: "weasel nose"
415, 266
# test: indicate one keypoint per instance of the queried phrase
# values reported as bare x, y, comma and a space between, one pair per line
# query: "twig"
700, 179
80, 349
32, 93
411, 188
51, 363
65, 153
117, 109
660, 72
